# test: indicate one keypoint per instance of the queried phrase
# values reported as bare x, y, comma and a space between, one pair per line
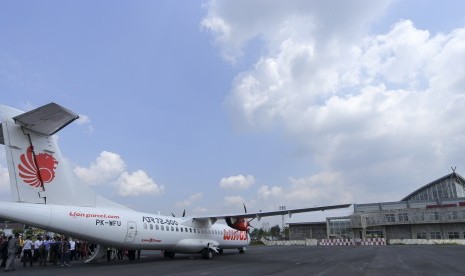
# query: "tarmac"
280, 260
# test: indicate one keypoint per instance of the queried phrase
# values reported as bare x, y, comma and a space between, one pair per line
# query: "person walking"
13, 246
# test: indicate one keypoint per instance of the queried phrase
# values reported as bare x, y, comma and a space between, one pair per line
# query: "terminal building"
434, 211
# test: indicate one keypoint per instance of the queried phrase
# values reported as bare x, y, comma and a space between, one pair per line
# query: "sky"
206, 105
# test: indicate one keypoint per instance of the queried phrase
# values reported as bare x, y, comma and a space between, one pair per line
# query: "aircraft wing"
259, 215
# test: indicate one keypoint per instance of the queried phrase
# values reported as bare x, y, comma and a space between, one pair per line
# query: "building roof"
306, 223
453, 175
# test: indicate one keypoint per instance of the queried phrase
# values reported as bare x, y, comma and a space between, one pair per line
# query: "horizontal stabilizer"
47, 119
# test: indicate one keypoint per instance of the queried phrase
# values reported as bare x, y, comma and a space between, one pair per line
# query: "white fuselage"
128, 229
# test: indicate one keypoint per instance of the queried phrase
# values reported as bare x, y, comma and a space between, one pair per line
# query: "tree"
275, 231
257, 234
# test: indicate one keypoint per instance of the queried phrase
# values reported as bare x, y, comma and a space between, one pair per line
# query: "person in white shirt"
37, 244
72, 249
27, 251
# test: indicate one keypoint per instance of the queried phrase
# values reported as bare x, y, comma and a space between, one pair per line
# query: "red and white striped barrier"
337, 242
373, 241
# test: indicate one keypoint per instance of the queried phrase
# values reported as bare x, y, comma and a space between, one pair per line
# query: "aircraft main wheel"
241, 251
207, 253
168, 254
220, 250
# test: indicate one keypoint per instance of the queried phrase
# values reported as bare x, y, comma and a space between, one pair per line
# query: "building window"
419, 217
421, 235
452, 215
390, 218
453, 235
433, 216
435, 235
340, 228
375, 233
403, 217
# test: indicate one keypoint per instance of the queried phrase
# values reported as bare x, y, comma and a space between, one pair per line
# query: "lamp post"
283, 208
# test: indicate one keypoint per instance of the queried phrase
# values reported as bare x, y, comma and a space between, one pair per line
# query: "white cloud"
266, 192
200, 210
368, 108
233, 201
319, 189
322, 188
235, 23
137, 183
188, 202
83, 119
237, 182
107, 167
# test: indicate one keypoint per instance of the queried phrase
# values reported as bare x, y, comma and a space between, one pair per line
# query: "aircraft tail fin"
38, 172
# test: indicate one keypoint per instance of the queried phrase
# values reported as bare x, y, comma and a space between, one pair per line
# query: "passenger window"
145, 225
156, 227
181, 230
190, 230
185, 229
151, 227
162, 227
172, 228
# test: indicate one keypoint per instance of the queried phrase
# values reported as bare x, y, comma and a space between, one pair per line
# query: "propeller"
245, 211
183, 213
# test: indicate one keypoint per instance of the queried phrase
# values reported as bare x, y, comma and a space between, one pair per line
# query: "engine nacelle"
240, 224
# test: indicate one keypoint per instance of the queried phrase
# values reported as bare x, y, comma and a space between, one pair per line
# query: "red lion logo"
37, 174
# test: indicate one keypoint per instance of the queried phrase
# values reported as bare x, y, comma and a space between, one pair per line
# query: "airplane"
47, 194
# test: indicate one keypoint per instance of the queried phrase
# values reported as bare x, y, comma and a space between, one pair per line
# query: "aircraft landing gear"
242, 250
168, 254
207, 253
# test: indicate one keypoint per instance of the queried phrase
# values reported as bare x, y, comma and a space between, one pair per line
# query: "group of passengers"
40, 250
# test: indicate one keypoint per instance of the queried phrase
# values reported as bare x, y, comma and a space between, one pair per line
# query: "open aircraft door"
132, 232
